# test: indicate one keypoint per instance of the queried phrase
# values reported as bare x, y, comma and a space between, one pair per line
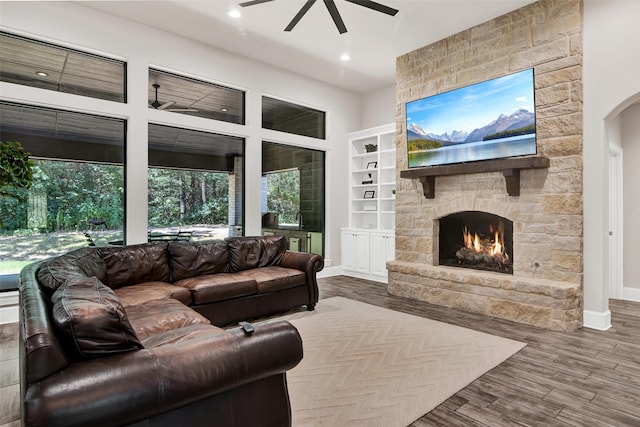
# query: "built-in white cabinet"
369, 241
355, 251
383, 247
365, 253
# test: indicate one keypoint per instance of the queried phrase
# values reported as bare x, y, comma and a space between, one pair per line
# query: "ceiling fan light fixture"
333, 11
234, 13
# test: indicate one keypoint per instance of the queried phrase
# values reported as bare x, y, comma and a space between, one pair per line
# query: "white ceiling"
314, 47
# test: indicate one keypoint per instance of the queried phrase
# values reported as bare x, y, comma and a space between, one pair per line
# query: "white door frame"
616, 220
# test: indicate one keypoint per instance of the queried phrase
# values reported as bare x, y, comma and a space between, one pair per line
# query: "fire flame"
486, 246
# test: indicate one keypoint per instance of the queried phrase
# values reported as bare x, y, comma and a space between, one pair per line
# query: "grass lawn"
18, 251
11, 267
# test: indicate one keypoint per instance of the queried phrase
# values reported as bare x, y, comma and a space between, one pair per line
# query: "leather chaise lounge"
134, 335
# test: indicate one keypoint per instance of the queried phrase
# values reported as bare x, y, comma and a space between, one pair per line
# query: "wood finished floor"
586, 378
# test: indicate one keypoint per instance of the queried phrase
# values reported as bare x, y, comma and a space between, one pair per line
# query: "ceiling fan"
333, 11
160, 106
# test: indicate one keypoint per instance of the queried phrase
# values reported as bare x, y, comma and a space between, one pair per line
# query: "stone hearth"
539, 302
545, 289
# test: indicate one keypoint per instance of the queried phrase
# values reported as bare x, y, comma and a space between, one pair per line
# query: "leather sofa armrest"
126, 388
310, 264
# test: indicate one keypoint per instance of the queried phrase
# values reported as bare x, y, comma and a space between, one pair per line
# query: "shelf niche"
510, 168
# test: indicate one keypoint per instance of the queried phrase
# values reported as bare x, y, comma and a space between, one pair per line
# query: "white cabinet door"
355, 251
382, 250
362, 252
348, 249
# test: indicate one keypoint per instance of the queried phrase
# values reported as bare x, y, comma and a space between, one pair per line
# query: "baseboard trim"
596, 320
330, 271
9, 307
631, 294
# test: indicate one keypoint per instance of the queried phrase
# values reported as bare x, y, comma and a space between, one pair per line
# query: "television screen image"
488, 120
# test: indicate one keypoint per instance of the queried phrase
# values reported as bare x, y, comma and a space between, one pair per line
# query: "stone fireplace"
535, 277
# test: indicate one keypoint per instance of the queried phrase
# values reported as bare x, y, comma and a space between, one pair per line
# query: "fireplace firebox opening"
477, 240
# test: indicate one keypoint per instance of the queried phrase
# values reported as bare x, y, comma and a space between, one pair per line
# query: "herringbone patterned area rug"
369, 366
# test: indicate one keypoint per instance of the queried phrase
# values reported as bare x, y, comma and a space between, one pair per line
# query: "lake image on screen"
488, 120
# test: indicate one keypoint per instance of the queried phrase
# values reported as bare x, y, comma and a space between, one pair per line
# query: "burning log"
470, 256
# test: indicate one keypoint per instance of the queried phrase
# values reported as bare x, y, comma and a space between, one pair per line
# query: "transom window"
287, 117
43, 65
184, 95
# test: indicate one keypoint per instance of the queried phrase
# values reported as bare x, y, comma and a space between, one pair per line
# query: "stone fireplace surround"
545, 289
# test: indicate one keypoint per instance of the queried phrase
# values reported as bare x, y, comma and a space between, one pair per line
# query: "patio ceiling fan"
333, 11
166, 106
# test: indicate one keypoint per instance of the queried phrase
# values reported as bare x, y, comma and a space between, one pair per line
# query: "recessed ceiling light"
224, 109
345, 57
234, 13
42, 74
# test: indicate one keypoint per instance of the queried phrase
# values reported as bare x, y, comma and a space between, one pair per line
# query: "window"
178, 94
282, 195
195, 184
77, 195
293, 195
291, 118
43, 65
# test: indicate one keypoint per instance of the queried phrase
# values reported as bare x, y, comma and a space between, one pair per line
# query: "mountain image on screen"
520, 122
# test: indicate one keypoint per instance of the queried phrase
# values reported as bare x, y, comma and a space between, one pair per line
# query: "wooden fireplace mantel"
510, 168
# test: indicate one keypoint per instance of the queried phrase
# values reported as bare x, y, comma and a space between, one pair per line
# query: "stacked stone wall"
547, 216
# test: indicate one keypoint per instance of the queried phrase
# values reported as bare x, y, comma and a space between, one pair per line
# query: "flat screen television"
488, 120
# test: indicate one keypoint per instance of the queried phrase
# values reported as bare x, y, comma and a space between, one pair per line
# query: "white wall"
77, 26
611, 42
379, 107
631, 195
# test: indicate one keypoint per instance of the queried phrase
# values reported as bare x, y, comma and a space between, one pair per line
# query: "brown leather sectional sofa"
133, 335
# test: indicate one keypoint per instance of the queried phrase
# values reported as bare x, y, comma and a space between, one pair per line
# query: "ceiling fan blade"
300, 14
335, 15
166, 105
375, 6
253, 2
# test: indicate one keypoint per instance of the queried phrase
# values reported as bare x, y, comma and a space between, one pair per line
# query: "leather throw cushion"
92, 319
253, 252
188, 259
83, 262
128, 265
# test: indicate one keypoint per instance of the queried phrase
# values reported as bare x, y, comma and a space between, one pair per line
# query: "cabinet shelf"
383, 177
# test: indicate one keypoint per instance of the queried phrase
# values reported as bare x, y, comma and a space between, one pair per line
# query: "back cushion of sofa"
128, 265
83, 262
189, 259
91, 319
254, 252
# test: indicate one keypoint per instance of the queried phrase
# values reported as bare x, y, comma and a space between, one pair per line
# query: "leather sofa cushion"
254, 252
218, 287
83, 262
142, 293
177, 336
189, 259
274, 278
128, 265
91, 319
160, 316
